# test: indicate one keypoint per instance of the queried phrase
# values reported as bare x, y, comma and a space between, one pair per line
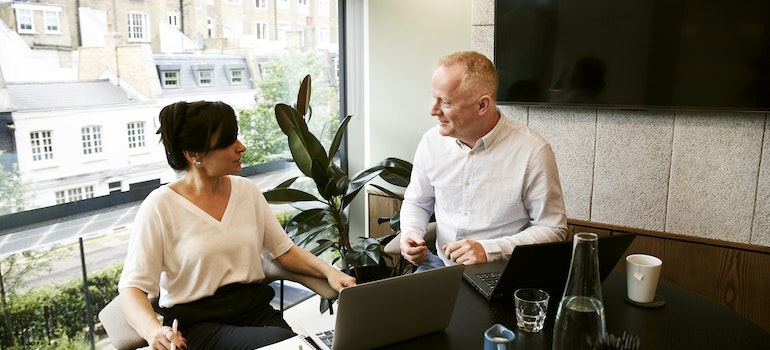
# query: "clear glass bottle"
580, 318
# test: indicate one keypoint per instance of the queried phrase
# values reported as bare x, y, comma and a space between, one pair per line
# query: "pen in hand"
174, 326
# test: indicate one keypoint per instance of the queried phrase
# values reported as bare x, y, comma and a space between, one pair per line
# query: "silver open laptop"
387, 311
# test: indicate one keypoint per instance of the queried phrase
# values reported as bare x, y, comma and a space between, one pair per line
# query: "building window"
210, 26
42, 145
234, 2
24, 18
169, 78
135, 135
236, 76
173, 19
324, 35
260, 29
283, 4
283, 27
261, 4
115, 186
138, 26
92, 139
51, 20
206, 77
74, 194
323, 8
302, 7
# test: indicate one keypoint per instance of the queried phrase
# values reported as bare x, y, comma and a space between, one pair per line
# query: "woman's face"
223, 161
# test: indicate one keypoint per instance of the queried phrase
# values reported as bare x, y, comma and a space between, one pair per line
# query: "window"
260, 30
42, 146
51, 20
24, 18
283, 27
74, 194
236, 76
323, 8
115, 186
135, 135
302, 7
173, 19
108, 158
206, 77
91, 137
138, 26
234, 2
324, 35
169, 78
283, 4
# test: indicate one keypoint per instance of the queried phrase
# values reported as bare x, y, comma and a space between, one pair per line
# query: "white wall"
402, 40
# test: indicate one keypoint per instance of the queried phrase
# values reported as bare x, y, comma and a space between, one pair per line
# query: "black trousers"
238, 317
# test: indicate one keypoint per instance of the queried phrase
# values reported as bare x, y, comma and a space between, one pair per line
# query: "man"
491, 182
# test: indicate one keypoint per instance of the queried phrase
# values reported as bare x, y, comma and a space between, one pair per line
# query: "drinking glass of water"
531, 307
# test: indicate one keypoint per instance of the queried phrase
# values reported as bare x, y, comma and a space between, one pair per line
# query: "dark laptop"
545, 266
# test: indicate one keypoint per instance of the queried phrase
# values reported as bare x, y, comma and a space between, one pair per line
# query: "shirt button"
472, 153
465, 213
467, 183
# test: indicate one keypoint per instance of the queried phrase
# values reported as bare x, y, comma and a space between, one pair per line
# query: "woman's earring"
198, 164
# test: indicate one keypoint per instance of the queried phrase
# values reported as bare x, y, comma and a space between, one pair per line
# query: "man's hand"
413, 248
465, 251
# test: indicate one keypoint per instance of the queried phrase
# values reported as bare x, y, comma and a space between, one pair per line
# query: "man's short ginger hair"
479, 73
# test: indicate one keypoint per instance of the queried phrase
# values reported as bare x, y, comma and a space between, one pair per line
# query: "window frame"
44, 151
28, 19
91, 140
261, 31
165, 80
135, 132
231, 76
199, 77
48, 26
138, 29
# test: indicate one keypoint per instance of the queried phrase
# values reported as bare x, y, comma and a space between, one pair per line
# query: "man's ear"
483, 103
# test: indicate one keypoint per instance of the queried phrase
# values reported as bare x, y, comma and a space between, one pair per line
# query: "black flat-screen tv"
636, 54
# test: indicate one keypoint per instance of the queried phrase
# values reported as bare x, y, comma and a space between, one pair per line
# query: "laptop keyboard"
490, 278
326, 337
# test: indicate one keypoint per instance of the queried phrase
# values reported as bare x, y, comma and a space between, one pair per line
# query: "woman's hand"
163, 338
338, 280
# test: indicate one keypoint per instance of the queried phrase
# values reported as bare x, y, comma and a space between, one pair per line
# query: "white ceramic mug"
642, 273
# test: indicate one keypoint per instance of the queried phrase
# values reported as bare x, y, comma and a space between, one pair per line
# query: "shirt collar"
487, 140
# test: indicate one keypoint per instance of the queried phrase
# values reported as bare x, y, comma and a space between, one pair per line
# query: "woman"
196, 243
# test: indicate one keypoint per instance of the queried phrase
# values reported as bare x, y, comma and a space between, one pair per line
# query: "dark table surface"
686, 321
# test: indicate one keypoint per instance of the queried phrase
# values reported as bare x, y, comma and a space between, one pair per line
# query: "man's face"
456, 111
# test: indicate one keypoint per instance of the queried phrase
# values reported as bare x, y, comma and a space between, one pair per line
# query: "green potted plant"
321, 223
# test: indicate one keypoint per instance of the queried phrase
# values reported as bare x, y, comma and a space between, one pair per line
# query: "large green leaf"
306, 149
388, 192
287, 183
365, 253
288, 118
338, 181
358, 183
303, 96
280, 195
396, 171
337, 141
